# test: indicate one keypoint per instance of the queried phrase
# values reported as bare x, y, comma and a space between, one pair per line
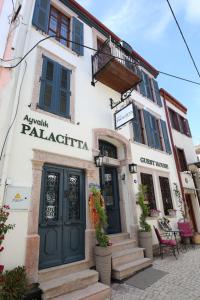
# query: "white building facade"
55, 122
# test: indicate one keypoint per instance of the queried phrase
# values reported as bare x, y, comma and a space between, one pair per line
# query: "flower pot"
172, 213
145, 241
103, 263
33, 293
154, 214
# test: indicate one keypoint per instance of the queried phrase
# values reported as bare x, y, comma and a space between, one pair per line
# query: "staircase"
72, 282
126, 257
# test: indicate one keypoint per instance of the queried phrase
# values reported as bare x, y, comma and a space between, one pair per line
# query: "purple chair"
169, 243
185, 230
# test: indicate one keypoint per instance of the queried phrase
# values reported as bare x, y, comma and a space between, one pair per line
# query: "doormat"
145, 278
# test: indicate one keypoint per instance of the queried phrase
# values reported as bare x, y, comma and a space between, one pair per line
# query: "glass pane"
63, 41
64, 79
63, 30
63, 102
53, 23
108, 190
52, 195
47, 95
74, 197
49, 72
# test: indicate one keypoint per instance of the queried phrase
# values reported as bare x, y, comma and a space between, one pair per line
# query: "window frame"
170, 192
152, 205
58, 28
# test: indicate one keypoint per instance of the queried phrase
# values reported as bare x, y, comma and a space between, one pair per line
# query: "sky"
148, 26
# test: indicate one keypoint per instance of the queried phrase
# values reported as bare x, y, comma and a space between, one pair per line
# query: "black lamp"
99, 160
132, 168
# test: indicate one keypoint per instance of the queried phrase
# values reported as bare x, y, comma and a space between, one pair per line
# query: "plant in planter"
154, 213
4, 228
181, 203
102, 251
145, 234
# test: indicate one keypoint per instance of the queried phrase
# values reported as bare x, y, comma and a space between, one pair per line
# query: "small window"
147, 179
55, 88
59, 25
107, 149
166, 194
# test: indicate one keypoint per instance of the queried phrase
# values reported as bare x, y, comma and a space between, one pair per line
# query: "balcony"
115, 67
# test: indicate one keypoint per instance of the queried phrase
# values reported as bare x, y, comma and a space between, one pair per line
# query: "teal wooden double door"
62, 216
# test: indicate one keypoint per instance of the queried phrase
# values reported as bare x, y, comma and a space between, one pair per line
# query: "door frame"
33, 239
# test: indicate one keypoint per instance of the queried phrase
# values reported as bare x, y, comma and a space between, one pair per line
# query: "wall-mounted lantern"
99, 160
132, 168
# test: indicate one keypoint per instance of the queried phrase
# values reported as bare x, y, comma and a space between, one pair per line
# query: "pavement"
181, 283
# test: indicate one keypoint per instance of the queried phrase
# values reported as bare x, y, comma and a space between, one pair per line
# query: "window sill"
189, 136
44, 112
146, 146
149, 100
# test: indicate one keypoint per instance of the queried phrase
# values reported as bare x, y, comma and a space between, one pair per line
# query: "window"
147, 179
182, 160
55, 88
49, 20
59, 25
107, 149
166, 194
149, 88
179, 123
155, 130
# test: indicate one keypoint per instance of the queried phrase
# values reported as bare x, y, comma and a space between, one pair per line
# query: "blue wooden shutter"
137, 130
77, 36
147, 83
156, 133
157, 92
165, 137
48, 82
148, 126
63, 92
142, 84
41, 14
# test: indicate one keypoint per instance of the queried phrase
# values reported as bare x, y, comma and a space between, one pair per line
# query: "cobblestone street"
182, 282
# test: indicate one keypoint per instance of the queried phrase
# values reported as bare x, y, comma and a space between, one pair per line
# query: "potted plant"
145, 234
172, 212
154, 213
4, 228
102, 250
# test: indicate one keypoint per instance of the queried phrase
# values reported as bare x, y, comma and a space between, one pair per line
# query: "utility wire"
19, 96
186, 44
90, 48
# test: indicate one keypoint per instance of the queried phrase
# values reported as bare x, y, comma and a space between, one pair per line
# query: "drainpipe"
174, 149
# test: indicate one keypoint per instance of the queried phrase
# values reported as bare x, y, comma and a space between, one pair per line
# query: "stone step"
97, 291
127, 255
118, 237
69, 283
63, 270
126, 270
122, 245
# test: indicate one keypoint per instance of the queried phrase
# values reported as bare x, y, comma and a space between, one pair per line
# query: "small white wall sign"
18, 197
124, 115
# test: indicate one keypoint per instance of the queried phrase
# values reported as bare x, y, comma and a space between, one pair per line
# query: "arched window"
107, 149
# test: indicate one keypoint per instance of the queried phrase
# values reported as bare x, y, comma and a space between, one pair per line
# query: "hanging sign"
124, 115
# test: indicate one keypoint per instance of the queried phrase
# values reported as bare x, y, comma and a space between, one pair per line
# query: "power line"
181, 32
90, 48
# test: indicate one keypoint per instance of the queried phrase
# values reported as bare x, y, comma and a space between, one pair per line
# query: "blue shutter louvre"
142, 85
77, 36
166, 137
137, 130
148, 86
41, 14
157, 92
149, 130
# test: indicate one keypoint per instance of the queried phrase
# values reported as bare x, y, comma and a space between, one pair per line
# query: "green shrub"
13, 284
141, 196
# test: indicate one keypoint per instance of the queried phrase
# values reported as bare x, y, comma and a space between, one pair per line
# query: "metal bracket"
113, 104
127, 94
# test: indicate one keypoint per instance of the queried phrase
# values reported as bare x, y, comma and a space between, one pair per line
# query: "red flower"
1, 237
1, 249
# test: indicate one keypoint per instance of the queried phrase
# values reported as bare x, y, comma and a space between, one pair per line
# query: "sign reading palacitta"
31, 130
